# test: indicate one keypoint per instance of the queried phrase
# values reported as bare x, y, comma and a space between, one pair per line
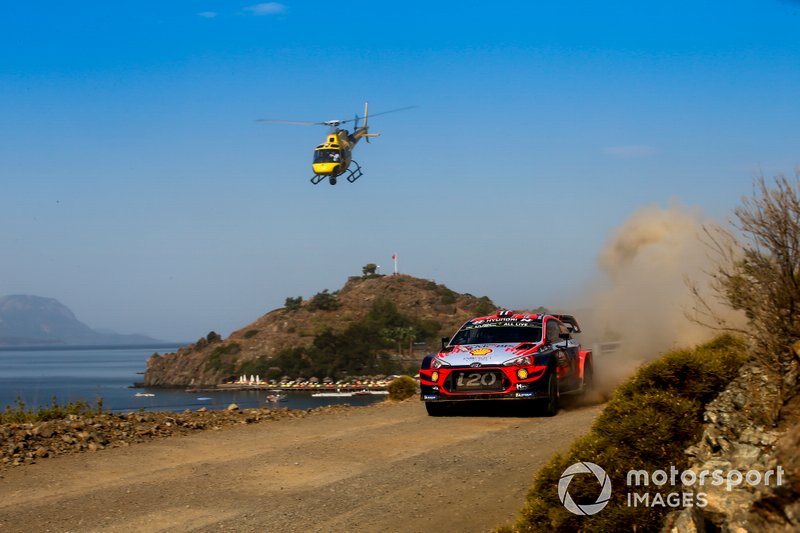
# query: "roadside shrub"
20, 413
402, 388
757, 272
648, 423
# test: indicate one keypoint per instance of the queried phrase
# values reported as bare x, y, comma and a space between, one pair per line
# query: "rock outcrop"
747, 429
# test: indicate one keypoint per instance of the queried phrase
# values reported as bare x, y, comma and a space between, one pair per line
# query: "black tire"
550, 405
588, 380
436, 408
332, 180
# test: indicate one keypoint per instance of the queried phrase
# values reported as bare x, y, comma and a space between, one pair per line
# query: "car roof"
505, 317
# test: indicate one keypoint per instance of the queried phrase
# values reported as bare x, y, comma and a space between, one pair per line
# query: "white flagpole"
394, 258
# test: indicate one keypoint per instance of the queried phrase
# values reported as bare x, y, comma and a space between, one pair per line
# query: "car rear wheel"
550, 407
588, 380
436, 408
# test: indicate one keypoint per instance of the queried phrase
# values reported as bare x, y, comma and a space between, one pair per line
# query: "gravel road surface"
388, 467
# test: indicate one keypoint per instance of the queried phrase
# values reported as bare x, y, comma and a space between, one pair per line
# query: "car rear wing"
570, 322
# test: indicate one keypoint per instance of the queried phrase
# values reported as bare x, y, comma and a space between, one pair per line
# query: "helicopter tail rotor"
366, 114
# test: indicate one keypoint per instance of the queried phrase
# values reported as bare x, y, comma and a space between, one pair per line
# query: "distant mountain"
27, 320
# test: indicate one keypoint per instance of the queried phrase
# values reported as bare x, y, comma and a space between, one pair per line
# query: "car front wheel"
551, 403
436, 408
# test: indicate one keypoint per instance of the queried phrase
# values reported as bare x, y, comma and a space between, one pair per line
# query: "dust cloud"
638, 306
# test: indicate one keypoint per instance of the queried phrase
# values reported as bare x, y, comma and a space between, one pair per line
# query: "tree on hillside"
759, 273
325, 301
369, 269
293, 304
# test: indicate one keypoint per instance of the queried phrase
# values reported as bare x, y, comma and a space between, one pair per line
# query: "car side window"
552, 332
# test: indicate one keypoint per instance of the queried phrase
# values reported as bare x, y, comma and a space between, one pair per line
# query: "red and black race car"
507, 356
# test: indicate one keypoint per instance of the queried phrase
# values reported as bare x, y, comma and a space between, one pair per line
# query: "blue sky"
138, 189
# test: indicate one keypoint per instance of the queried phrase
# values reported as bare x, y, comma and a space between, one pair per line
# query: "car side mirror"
445, 340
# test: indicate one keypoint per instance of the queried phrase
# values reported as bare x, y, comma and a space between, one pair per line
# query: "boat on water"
144, 394
275, 398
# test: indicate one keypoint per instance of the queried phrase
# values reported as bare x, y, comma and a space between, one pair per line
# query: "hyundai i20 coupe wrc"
508, 356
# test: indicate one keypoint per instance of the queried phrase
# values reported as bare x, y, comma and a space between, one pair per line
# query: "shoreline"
30, 442
284, 388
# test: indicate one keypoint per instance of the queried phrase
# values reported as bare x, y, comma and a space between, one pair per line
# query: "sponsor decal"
429, 397
481, 351
523, 394
504, 321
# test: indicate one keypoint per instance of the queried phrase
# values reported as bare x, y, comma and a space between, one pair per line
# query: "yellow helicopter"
334, 157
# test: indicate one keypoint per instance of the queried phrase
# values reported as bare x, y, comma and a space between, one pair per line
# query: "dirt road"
388, 467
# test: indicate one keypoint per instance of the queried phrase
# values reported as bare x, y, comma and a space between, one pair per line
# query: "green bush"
250, 333
649, 422
362, 348
293, 304
217, 360
447, 296
402, 388
484, 307
324, 301
55, 411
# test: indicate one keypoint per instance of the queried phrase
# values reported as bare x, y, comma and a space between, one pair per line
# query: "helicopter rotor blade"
294, 122
333, 123
391, 111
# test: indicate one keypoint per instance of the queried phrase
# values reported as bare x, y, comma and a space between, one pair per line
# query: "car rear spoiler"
570, 322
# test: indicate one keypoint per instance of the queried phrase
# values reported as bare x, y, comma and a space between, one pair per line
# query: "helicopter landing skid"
352, 175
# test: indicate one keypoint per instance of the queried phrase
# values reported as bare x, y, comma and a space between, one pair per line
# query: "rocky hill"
27, 320
297, 326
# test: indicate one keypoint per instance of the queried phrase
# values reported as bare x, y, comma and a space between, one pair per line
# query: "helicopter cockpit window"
327, 156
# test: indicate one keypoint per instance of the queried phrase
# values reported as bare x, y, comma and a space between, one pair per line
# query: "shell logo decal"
481, 351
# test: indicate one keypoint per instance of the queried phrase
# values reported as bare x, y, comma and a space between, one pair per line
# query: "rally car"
507, 356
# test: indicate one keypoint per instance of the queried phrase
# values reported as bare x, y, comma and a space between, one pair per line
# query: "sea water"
38, 375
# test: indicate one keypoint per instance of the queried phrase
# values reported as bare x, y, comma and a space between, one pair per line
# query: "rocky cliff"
752, 427
296, 326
